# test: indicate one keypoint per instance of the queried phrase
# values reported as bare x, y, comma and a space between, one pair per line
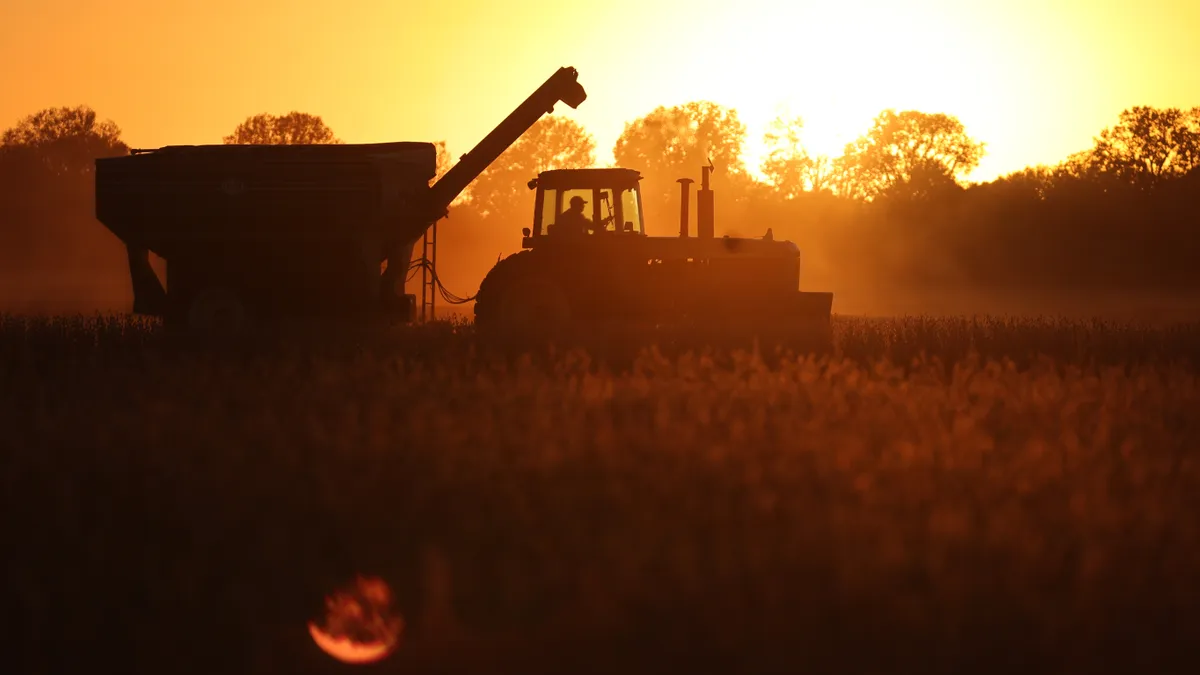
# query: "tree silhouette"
844, 179
1147, 146
910, 152
551, 143
64, 141
927, 181
788, 166
672, 143
668, 140
1033, 183
1081, 167
294, 128
50, 242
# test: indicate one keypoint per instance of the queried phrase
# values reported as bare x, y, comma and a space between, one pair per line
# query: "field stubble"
952, 495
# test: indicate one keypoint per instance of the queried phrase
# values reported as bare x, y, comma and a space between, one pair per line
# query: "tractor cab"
610, 200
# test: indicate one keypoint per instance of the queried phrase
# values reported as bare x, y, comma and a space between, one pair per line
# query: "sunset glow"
1034, 79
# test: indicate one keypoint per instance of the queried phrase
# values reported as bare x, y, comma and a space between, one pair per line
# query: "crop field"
956, 495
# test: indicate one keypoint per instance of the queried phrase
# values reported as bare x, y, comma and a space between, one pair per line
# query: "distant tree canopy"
1033, 183
908, 154
1147, 146
788, 166
672, 143
893, 208
47, 205
294, 128
65, 140
551, 143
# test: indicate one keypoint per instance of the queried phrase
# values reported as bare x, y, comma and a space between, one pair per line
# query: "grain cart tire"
218, 311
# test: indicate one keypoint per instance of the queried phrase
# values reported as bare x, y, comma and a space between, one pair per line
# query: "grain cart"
252, 232
609, 278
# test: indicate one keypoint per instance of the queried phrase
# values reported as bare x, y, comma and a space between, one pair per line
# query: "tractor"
588, 270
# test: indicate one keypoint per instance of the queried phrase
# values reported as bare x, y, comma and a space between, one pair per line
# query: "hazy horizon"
1035, 81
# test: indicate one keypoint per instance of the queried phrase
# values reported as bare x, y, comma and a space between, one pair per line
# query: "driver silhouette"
572, 221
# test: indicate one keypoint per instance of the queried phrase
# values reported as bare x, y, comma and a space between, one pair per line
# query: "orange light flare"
360, 624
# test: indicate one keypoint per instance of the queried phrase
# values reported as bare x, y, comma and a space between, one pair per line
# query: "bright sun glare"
838, 65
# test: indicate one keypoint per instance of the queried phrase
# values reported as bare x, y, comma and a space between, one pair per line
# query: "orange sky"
1034, 79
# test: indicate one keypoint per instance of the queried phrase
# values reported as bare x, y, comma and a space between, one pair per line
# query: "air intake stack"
704, 205
684, 186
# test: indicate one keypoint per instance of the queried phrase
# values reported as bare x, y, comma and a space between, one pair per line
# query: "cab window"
631, 210
606, 210
548, 213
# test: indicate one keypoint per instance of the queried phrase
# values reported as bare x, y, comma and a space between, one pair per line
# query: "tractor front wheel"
521, 306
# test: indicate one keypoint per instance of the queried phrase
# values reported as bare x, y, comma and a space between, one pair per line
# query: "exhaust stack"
704, 205
684, 186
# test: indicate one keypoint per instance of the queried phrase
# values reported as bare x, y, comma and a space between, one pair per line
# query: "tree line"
896, 207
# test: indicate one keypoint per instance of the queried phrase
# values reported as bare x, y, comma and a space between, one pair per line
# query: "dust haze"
893, 226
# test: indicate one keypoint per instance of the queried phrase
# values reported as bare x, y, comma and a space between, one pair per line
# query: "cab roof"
557, 179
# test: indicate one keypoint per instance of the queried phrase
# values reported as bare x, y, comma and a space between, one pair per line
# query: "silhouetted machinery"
604, 276
260, 232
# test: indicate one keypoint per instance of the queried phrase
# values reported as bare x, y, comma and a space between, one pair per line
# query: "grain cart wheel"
218, 311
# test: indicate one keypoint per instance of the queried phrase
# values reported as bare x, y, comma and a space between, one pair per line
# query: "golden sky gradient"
1034, 79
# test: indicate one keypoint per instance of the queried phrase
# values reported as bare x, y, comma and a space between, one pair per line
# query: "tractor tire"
519, 304
811, 337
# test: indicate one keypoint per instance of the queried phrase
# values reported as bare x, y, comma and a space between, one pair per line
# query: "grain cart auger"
591, 273
257, 232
